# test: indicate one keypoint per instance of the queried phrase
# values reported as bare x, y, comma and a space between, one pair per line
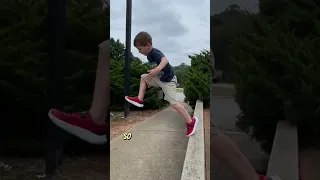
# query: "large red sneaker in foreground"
80, 125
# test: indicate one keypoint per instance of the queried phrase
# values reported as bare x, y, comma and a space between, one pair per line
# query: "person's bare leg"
182, 111
227, 152
142, 89
101, 94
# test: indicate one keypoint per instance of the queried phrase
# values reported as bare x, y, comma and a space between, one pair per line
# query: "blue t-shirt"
155, 56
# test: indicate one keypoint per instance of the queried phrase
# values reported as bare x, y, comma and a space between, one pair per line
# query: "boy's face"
144, 49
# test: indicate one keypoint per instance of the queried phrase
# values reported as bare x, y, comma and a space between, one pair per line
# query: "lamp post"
127, 56
57, 29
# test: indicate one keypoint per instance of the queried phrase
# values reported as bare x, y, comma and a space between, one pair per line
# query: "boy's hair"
142, 38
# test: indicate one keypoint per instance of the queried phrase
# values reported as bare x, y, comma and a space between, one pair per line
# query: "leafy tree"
180, 72
225, 27
117, 50
197, 79
24, 52
277, 70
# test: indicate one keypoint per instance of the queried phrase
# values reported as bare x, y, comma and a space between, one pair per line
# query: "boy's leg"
90, 126
143, 87
182, 111
101, 94
145, 82
226, 151
170, 91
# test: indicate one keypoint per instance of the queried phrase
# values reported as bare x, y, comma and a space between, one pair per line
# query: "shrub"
197, 79
24, 56
277, 70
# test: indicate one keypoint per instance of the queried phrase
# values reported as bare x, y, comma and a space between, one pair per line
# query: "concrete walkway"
155, 152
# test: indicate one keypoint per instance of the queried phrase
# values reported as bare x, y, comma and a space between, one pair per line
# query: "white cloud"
178, 28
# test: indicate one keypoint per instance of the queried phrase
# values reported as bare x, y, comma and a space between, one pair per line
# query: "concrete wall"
284, 158
194, 163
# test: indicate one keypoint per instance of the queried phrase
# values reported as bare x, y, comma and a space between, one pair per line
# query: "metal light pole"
128, 57
57, 29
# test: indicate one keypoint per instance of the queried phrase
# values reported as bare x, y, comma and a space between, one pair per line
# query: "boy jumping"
161, 76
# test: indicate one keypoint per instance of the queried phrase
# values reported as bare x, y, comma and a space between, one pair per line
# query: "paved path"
225, 112
155, 152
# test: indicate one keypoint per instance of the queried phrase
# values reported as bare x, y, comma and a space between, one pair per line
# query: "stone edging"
284, 158
194, 162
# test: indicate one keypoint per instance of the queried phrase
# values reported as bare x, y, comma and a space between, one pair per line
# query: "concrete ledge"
284, 158
194, 162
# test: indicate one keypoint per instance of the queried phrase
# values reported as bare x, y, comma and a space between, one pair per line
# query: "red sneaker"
80, 125
191, 128
135, 101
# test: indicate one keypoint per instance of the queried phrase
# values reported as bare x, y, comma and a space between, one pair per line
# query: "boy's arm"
163, 63
156, 70
161, 60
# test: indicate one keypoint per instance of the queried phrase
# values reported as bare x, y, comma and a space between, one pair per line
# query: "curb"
194, 162
284, 150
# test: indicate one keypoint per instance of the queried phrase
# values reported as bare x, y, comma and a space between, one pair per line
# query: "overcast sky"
218, 6
178, 28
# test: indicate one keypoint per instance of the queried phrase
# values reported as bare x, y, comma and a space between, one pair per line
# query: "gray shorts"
169, 88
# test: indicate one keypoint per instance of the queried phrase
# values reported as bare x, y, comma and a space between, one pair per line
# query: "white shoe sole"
79, 132
134, 103
195, 127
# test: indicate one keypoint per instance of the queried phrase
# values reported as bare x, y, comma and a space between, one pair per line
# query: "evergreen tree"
24, 51
197, 79
225, 27
277, 70
180, 72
